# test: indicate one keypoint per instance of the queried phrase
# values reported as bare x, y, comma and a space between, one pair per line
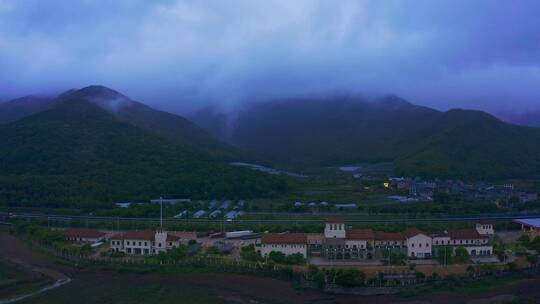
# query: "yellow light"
386, 185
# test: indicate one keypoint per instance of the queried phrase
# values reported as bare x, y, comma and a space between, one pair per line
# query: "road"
9, 216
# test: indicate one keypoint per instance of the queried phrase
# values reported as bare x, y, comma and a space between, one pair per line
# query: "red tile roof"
485, 222
465, 234
146, 235
284, 238
359, 234
388, 236
83, 233
411, 232
172, 238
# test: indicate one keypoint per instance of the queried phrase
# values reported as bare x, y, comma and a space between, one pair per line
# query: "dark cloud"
184, 54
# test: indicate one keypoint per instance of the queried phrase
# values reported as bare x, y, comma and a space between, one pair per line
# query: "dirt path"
17, 252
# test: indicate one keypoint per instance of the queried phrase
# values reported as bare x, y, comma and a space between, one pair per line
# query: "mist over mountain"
421, 141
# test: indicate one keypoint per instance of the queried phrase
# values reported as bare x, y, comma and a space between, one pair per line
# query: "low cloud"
181, 55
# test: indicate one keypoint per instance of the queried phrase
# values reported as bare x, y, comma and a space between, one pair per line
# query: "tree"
320, 279
177, 253
277, 256
296, 259
444, 255
532, 259
461, 255
249, 253
524, 239
350, 277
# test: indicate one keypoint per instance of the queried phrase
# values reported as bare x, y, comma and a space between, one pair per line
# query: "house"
419, 244
485, 227
89, 236
530, 226
388, 242
144, 242
475, 243
286, 243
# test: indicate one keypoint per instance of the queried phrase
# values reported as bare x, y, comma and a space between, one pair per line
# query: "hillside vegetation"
77, 154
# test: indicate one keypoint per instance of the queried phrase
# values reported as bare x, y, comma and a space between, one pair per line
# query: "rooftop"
462, 234
146, 235
284, 238
532, 222
359, 234
388, 236
410, 232
83, 233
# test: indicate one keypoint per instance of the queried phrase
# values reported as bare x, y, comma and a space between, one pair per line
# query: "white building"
286, 243
144, 242
475, 243
485, 227
334, 228
419, 244
89, 236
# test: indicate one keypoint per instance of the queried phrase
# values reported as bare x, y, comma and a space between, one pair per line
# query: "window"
420, 245
145, 243
427, 244
140, 243
412, 245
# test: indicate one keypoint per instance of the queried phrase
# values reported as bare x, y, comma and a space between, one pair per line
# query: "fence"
153, 263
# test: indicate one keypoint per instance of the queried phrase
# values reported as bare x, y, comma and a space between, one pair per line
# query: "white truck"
238, 234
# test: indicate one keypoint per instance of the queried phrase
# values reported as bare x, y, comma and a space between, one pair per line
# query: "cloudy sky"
179, 54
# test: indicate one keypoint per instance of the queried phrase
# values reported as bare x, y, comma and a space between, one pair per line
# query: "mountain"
419, 140
77, 154
531, 119
166, 125
24, 106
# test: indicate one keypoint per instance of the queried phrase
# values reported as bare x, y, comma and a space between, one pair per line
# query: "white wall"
485, 229
419, 246
286, 249
334, 230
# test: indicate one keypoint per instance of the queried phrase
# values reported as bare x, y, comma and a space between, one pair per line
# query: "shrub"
461, 255
320, 279
212, 250
350, 277
249, 253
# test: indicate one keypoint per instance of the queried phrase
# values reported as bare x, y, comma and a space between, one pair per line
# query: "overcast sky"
177, 55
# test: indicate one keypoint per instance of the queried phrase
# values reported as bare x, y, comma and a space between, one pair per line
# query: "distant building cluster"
418, 189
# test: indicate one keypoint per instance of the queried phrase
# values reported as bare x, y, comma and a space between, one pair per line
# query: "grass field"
16, 281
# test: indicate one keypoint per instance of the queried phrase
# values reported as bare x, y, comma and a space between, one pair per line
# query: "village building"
419, 244
475, 243
144, 242
485, 227
341, 243
80, 235
286, 243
